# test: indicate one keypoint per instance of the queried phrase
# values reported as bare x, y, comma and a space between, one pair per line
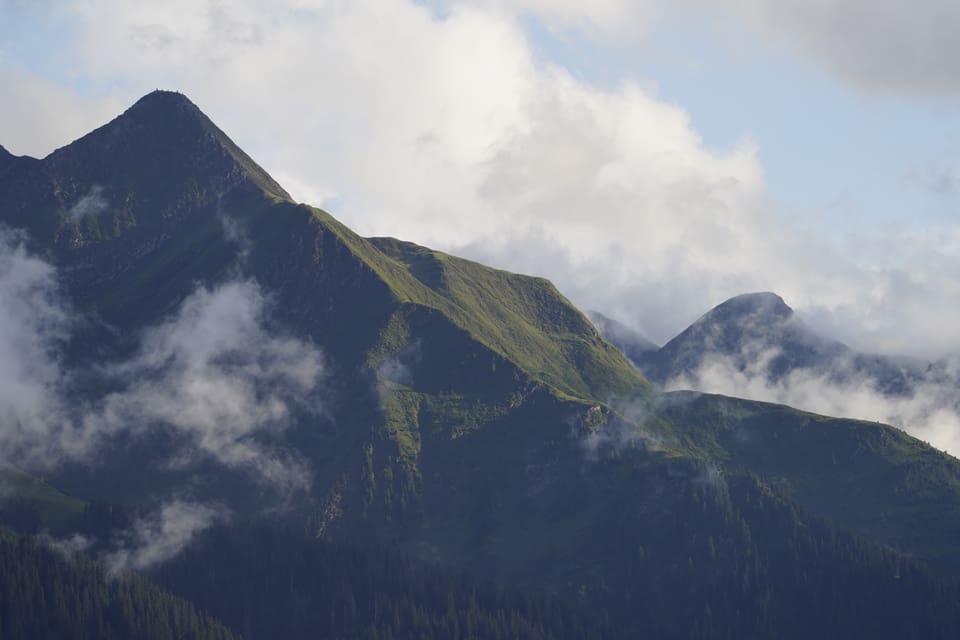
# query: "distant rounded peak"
763, 303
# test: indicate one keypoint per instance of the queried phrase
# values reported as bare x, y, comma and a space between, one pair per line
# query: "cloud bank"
928, 410
444, 124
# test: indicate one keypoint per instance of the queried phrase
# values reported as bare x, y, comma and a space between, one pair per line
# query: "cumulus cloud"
448, 127
927, 409
162, 535
38, 115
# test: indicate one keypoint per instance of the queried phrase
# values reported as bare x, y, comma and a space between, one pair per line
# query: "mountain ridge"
759, 332
472, 417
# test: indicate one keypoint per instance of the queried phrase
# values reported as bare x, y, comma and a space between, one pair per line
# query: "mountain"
631, 342
254, 357
758, 332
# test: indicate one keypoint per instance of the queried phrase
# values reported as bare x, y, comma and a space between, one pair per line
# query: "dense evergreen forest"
268, 583
45, 594
725, 558
732, 558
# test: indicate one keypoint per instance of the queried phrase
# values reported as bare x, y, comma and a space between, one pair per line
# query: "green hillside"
30, 503
864, 476
474, 418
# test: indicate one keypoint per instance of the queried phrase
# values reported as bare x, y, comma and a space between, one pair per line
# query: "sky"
651, 158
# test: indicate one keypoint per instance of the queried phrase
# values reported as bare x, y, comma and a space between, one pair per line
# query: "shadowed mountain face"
7, 160
632, 343
195, 335
758, 333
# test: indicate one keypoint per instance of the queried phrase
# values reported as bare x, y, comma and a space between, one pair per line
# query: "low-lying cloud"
90, 204
162, 535
928, 409
215, 374
35, 321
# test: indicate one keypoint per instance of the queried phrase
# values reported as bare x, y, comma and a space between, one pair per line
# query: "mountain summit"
759, 332
256, 355
144, 169
741, 328
161, 139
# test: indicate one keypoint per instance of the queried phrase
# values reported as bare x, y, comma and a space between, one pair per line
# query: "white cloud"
162, 535
447, 128
215, 374
34, 321
37, 116
90, 204
928, 411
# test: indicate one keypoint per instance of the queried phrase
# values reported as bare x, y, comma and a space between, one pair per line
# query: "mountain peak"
162, 140
764, 304
165, 107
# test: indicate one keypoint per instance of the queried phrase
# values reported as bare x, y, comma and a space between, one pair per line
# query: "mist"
162, 535
928, 409
35, 321
215, 373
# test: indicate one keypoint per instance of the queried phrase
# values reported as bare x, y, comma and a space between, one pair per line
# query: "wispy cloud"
927, 409
397, 370
162, 535
90, 204
216, 373
35, 320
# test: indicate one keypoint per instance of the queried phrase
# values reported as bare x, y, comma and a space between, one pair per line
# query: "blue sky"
650, 160
840, 155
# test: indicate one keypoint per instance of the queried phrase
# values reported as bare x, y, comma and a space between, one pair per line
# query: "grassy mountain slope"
473, 417
30, 503
866, 477
155, 186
